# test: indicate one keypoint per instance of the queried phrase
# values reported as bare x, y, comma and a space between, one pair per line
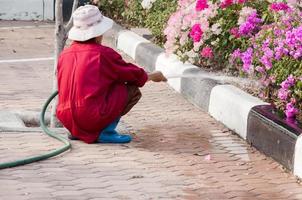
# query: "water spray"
219, 78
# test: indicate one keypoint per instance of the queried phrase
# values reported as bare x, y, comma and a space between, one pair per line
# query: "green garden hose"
55, 152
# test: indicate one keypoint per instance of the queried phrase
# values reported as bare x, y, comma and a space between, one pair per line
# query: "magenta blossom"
283, 94
207, 52
266, 62
290, 110
201, 5
226, 3
236, 54
196, 33
290, 81
250, 24
279, 6
247, 58
235, 32
260, 69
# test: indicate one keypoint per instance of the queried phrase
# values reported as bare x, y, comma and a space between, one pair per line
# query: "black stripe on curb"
197, 90
272, 136
146, 55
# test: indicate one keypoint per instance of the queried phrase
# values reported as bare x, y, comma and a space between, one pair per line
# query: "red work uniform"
92, 88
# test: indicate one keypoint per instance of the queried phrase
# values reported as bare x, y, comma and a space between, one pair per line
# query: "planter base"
272, 135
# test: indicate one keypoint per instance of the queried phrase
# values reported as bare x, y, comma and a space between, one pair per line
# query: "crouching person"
96, 86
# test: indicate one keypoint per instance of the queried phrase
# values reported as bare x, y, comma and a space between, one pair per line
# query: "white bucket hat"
88, 22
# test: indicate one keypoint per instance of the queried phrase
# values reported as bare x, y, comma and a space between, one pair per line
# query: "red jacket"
92, 90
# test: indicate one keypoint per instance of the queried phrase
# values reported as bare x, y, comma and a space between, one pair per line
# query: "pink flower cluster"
172, 31
196, 33
290, 110
190, 25
268, 55
235, 32
207, 52
285, 95
246, 57
227, 3
279, 7
284, 91
201, 5
249, 25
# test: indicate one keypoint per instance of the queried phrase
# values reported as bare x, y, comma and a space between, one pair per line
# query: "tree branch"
59, 34
69, 24
59, 12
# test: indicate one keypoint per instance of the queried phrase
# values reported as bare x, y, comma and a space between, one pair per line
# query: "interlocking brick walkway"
178, 152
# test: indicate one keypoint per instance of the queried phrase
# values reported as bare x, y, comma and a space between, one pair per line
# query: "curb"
228, 104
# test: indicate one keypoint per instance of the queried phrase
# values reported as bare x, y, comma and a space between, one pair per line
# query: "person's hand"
157, 76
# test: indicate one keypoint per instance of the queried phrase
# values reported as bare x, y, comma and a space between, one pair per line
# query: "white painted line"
26, 60
26, 27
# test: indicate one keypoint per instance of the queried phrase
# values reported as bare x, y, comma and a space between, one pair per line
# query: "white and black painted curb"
236, 109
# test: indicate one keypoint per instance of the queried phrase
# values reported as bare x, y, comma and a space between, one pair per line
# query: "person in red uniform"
96, 86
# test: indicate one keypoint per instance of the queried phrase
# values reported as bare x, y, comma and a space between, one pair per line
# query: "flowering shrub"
257, 38
274, 56
221, 26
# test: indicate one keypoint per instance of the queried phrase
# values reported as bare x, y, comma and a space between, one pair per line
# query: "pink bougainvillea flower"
290, 81
206, 52
290, 110
226, 3
235, 32
247, 58
201, 5
260, 69
250, 24
283, 94
235, 55
279, 6
293, 100
196, 33
266, 62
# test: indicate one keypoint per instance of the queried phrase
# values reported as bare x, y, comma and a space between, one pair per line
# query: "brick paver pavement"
178, 152
24, 85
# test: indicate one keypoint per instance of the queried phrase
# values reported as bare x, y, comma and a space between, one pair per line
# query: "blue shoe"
110, 135
114, 138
